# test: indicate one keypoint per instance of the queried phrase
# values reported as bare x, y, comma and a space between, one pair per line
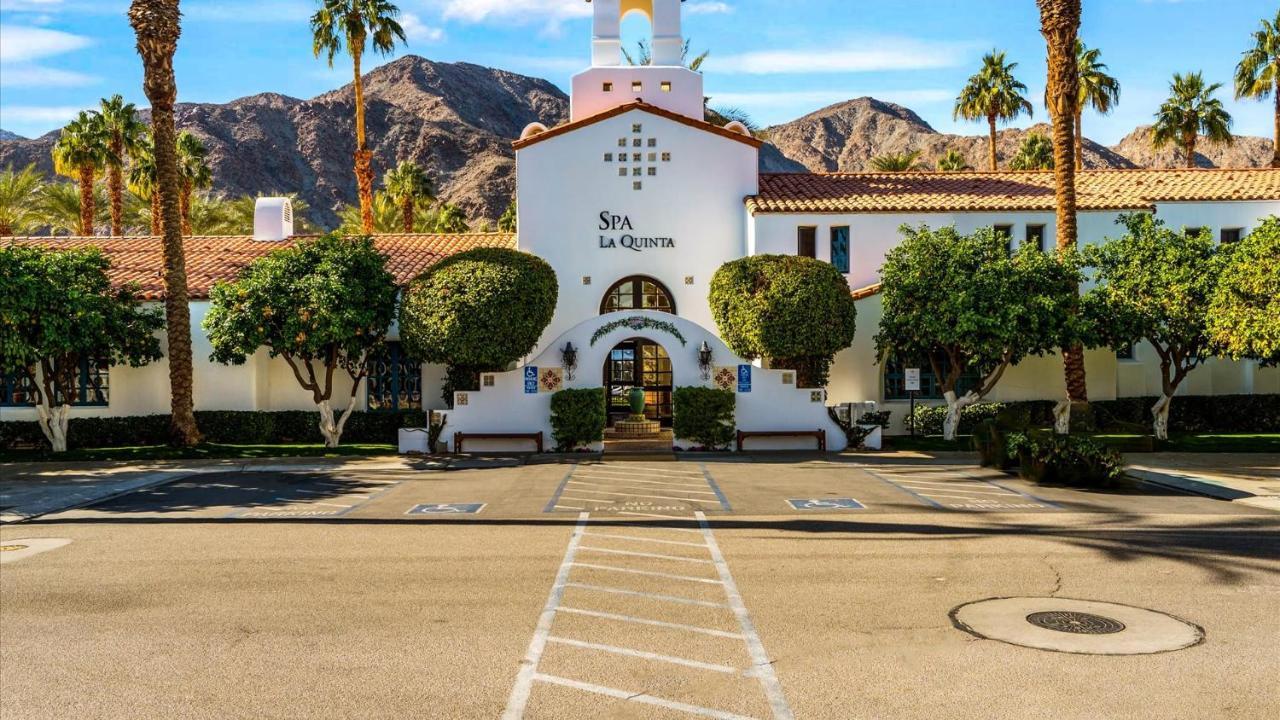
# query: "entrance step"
655, 447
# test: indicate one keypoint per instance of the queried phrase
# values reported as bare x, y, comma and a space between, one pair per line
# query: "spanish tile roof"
644, 107
212, 259
1004, 191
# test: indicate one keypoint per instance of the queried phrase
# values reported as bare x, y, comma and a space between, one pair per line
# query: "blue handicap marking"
744, 378
530, 380
446, 509
826, 504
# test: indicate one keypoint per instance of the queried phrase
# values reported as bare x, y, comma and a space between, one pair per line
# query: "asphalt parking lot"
778, 587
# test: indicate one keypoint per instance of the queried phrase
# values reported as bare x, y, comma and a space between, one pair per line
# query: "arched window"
638, 293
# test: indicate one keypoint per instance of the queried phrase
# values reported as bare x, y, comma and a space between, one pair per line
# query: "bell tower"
610, 82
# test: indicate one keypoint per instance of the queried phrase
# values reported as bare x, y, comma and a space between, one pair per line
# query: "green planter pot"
636, 399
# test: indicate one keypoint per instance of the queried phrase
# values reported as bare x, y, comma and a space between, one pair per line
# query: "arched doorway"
638, 292
638, 362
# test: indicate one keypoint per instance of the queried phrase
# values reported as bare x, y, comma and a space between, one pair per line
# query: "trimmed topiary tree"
58, 311
577, 418
478, 311
1244, 315
323, 305
795, 311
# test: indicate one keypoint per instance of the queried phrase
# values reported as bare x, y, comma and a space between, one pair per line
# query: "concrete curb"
1190, 484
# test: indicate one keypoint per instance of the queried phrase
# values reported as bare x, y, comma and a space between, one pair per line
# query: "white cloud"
551, 14
707, 7
24, 115
36, 76
23, 44
415, 29
875, 55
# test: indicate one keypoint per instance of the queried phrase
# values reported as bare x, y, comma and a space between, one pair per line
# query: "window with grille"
92, 387
930, 388
840, 248
395, 380
807, 242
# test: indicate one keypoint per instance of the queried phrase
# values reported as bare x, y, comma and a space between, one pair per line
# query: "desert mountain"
1244, 151
6, 135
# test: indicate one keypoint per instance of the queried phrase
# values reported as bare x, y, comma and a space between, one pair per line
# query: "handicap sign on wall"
530, 380
744, 378
446, 509
826, 504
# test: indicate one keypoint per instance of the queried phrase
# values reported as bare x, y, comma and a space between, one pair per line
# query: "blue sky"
777, 59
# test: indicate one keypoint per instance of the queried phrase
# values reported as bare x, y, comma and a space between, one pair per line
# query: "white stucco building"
636, 202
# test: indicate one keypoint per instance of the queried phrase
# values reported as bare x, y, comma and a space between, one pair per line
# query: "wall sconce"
569, 357
704, 360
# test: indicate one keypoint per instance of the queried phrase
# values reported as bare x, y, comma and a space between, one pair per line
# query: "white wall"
696, 199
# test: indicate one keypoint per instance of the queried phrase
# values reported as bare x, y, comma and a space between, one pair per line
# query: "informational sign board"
911, 379
825, 504
744, 378
530, 380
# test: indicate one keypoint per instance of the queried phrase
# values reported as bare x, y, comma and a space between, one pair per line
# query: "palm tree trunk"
407, 208
86, 200
184, 206
991, 144
1189, 146
156, 229
1079, 137
115, 186
364, 168
157, 26
1275, 143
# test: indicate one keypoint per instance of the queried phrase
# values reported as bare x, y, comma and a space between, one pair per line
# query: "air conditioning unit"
273, 219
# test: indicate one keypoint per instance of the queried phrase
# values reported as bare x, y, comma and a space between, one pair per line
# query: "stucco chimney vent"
273, 219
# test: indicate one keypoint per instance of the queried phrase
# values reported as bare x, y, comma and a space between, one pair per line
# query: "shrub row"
577, 418
218, 426
1193, 413
705, 416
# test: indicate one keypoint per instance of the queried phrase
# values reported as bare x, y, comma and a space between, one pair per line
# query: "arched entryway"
638, 362
638, 292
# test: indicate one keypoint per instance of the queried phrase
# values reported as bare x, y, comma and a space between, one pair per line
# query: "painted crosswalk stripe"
637, 538
656, 556
627, 484
655, 623
641, 698
651, 596
650, 573
645, 655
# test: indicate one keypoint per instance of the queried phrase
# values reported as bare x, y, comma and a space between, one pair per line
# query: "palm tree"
408, 186
79, 152
1258, 74
450, 219
58, 207
644, 55
995, 94
213, 214
1097, 90
142, 180
1035, 153
124, 132
19, 200
348, 24
953, 161
1060, 25
196, 175
1191, 111
157, 25
898, 162
388, 217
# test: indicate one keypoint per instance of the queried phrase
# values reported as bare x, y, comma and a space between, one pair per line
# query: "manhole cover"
12, 548
1076, 626
1075, 622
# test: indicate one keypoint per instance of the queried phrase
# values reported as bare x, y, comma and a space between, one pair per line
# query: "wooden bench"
459, 438
819, 435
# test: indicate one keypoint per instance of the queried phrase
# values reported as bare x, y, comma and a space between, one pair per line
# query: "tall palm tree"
349, 24
124, 132
953, 161
1060, 25
898, 162
79, 153
1098, 90
1191, 111
157, 25
142, 180
19, 200
1258, 74
59, 208
994, 94
1035, 153
408, 186
644, 55
196, 175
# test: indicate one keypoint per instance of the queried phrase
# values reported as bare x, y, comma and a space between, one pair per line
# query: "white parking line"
658, 556
659, 497
569, 507
627, 484
669, 576
641, 698
651, 596
631, 652
655, 623
645, 539
632, 478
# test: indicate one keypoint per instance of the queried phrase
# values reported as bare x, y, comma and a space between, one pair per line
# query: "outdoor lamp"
569, 356
704, 360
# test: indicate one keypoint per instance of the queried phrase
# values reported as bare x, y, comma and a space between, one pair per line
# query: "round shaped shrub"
796, 311
482, 308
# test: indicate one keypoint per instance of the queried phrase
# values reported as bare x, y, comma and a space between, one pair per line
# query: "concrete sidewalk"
29, 490
1248, 479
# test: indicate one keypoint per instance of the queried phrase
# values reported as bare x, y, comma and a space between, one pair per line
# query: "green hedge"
577, 418
1064, 459
705, 416
1190, 414
218, 426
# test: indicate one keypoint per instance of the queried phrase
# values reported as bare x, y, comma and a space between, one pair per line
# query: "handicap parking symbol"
825, 504
530, 380
446, 509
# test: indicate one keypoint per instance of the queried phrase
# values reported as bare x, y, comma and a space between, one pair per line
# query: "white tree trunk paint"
53, 423
1160, 412
1062, 417
954, 406
331, 429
